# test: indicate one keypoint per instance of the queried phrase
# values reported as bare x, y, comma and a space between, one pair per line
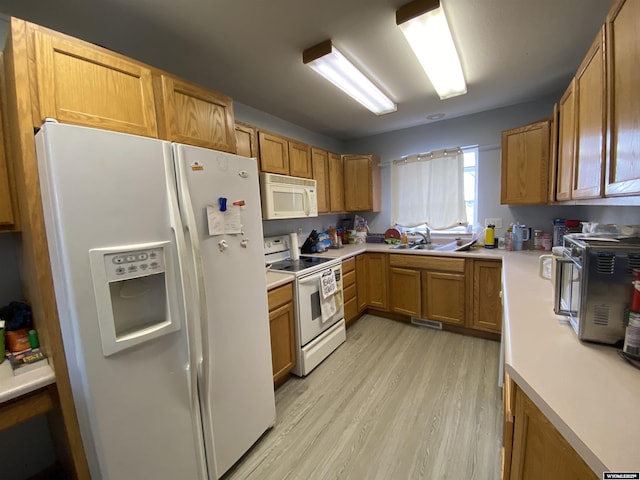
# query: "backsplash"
319, 223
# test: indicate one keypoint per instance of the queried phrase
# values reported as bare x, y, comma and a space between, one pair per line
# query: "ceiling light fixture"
325, 59
426, 29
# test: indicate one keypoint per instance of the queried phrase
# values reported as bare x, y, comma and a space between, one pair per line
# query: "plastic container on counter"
537, 239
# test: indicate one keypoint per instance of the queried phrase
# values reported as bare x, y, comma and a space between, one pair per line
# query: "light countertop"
351, 250
587, 391
276, 279
12, 387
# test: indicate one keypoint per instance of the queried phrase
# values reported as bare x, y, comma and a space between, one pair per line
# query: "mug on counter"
519, 235
547, 264
547, 267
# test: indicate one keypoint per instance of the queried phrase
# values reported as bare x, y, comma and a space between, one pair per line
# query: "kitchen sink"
446, 247
435, 247
424, 246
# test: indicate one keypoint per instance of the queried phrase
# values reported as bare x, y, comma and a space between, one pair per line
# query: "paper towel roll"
294, 249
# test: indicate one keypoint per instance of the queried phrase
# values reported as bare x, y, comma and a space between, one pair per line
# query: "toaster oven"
594, 285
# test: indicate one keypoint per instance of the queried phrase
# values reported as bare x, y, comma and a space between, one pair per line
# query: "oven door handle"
558, 308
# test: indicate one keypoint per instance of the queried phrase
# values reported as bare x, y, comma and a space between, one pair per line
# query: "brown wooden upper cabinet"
196, 115
300, 159
284, 156
553, 151
581, 145
320, 163
525, 164
8, 211
336, 183
361, 183
623, 77
566, 143
590, 117
246, 143
82, 84
327, 172
274, 153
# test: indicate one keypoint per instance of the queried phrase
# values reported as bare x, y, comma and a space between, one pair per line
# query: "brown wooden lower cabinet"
461, 292
361, 285
282, 328
538, 451
444, 297
350, 289
375, 278
404, 286
429, 287
487, 304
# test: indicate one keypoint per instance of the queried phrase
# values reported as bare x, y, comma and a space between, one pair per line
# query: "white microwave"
287, 197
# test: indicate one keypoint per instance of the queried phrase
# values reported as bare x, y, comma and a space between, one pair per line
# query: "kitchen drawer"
350, 310
350, 292
444, 264
348, 279
349, 265
280, 295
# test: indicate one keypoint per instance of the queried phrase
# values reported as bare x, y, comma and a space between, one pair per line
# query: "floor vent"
426, 323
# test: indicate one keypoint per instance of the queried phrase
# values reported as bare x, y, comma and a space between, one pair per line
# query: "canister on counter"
537, 239
632, 333
559, 229
632, 336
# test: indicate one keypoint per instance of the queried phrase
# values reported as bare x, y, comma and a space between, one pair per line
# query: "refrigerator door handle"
191, 322
200, 305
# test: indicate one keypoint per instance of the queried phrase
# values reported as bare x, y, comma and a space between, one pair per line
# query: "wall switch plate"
493, 221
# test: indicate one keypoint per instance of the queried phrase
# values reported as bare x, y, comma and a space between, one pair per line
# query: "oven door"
309, 309
568, 290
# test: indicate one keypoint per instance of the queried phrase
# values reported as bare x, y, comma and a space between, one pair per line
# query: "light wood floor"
394, 402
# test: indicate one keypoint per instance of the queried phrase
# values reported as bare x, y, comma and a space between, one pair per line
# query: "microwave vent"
274, 178
601, 315
606, 263
634, 262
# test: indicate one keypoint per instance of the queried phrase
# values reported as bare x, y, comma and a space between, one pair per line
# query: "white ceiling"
512, 51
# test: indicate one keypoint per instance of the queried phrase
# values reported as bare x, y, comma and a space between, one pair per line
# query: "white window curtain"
428, 189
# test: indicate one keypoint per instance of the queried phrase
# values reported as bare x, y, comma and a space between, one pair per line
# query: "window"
470, 184
436, 188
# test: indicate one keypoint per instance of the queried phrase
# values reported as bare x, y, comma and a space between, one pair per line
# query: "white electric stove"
320, 327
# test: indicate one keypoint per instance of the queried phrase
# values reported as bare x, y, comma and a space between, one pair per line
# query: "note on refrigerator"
224, 223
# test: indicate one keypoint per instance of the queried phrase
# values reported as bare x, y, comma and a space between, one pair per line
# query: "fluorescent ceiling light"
425, 27
325, 59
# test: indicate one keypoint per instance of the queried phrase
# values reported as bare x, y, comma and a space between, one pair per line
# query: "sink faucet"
427, 237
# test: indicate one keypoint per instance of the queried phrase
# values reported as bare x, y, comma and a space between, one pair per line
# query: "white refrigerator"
157, 258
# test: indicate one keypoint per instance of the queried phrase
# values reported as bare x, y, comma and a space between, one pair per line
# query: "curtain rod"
443, 152
480, 148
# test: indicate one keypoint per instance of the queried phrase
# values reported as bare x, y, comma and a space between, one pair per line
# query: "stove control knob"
222, 245
244, 242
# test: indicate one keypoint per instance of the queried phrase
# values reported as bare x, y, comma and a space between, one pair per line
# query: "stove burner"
299, 265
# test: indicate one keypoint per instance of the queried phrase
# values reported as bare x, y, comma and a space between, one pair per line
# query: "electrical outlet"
493, 221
